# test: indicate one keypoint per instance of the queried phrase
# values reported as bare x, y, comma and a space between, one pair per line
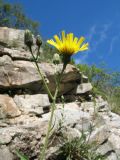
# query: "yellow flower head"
68, 44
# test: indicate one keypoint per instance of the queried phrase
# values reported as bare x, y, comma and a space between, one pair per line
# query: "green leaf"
21, 156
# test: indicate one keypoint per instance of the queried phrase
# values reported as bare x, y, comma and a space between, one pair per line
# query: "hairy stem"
41, 75
42, 157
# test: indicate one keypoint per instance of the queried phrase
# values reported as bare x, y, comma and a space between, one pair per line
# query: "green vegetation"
105, 83
12, 15
79, 149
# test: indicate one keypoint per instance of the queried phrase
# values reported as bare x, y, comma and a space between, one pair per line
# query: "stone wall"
25, 105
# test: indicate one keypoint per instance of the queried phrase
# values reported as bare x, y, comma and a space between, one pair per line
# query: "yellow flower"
68, 44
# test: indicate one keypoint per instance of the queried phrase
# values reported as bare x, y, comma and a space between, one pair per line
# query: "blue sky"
97, 20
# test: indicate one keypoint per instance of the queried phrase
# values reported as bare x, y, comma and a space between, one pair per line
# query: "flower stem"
41, 75
42, 157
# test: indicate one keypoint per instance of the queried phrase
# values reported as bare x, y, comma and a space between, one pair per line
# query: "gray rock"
16, 54
11, 37
105, 148
5, 154
5, 60
71, 133
112, 156
23, 74
5, 138
83, 88
7, 107
99, 135
32, 103
115, 141
69, 115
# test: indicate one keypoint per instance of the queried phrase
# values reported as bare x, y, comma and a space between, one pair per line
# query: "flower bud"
38, 41
56, 58
28, 38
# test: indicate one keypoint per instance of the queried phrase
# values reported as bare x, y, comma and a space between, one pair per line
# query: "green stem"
51, 117
41, 75
48, 131
53, 106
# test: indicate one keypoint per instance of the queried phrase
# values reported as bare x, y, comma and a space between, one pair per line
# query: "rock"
69, 115
52, 153
114, 141
5, 154
83, 88
8, 108
99, 135
23, 74
5, 138
105, 148
16, 54
32, 103
112, 156
11, 37
112, 120
5, 60
71, 133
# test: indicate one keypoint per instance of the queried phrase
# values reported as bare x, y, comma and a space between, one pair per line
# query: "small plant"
21, 156
67, 45
78, 149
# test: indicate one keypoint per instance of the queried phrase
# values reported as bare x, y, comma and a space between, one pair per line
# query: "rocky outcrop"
25, 106
11, 37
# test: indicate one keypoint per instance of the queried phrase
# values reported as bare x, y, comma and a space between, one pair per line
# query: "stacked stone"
25, 105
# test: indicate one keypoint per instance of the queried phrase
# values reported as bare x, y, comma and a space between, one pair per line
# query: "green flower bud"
38, 41
56, 58
28, 38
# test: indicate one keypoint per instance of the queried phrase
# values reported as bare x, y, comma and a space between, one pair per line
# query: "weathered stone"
84, 125
32, 103
83, 88
7, 107
112, 156
5, 154
71, 133
100, 135
24, 123
15, 54
5, 60
11, 37
115, 141
69, 115
23, 74
105, 148
5, 138
112, 120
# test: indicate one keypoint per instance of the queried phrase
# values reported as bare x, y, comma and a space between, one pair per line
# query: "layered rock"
25, 105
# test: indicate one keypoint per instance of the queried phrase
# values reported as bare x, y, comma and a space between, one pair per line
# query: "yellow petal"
71, 37
63, 36
57, 39
81, 40
84, 47
52, 43
75, 40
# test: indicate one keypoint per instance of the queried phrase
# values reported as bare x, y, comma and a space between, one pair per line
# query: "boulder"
32, 103
83, 88
5, 138
8, 107
15, 54
23, 75
11, 37
5, 154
